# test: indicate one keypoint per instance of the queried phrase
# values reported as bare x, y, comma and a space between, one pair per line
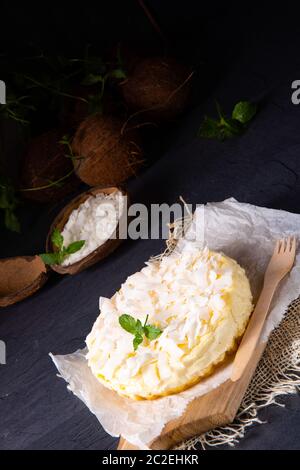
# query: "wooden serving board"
213, 409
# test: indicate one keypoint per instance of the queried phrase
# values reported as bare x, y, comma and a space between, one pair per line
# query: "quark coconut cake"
170, 324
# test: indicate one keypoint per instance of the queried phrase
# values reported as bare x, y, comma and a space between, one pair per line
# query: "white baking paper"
245, 232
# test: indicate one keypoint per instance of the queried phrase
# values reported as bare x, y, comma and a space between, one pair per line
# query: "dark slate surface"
261, 167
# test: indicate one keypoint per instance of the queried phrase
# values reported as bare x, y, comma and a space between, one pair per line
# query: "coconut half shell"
20, 277
103, 250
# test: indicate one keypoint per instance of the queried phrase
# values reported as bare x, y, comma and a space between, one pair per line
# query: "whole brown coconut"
108, 153
45, 162
158, 87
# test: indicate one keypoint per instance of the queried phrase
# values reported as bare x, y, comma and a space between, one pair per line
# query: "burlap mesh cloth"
278, 372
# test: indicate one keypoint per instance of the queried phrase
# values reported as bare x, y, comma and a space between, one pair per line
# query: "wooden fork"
280, 264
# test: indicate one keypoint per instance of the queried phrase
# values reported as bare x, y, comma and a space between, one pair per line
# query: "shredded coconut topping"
94, 221
201, 300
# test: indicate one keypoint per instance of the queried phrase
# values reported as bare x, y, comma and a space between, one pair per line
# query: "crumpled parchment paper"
245, 232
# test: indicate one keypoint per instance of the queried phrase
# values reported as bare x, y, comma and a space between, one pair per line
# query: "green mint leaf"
11, 222
57, 239
225, 128
51, 258
151, 332
136, 328
137, 340
128, 323
209, 128
244, 111
118, 73
230, 128
74, 247
139, 327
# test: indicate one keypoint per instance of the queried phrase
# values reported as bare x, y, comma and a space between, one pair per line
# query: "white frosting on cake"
201, 300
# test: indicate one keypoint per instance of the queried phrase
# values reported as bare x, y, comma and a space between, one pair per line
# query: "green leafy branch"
58, 183
136, 328
16, 108
95, 100
226, 127
57, 75
9, 203
58, 256
91, 69
52, 89
97, 73
65, 140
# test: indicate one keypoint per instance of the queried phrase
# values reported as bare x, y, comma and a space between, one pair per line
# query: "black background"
245, 51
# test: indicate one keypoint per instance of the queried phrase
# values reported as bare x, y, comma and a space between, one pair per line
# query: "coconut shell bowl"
20, 277
99, 253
